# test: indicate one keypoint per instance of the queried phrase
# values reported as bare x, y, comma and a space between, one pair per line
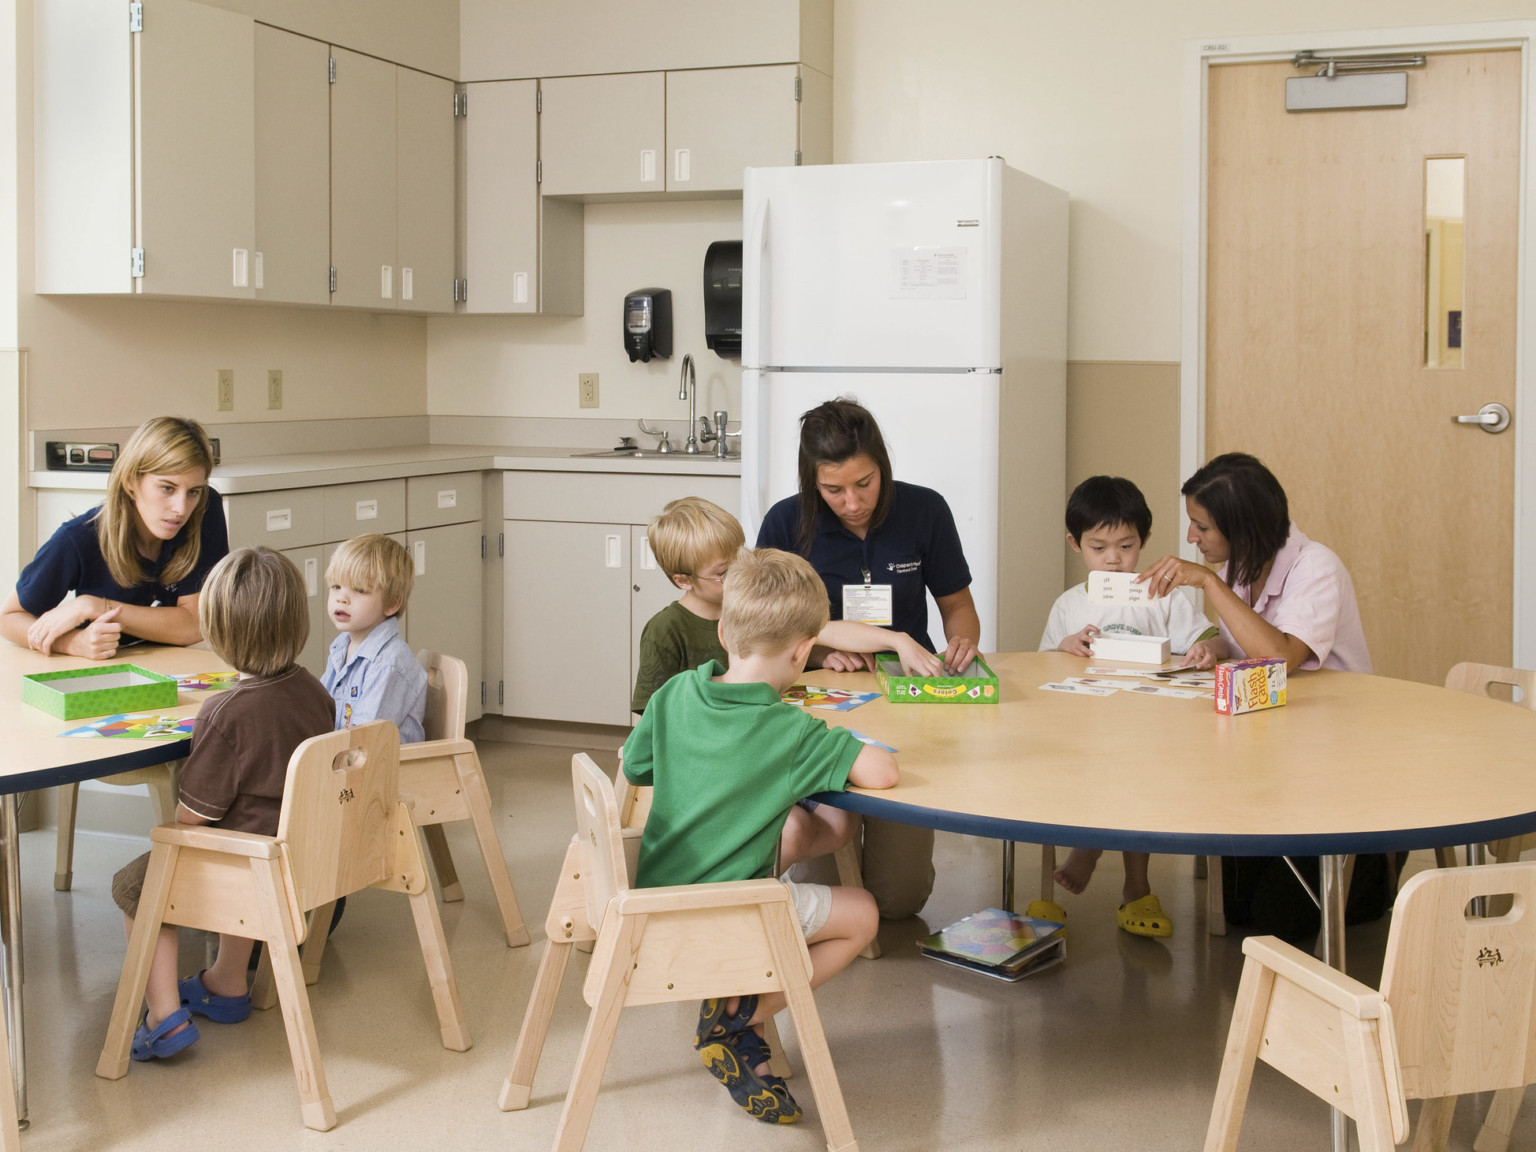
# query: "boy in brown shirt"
254, 616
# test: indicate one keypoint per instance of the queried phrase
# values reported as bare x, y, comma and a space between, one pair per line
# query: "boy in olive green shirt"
728, 761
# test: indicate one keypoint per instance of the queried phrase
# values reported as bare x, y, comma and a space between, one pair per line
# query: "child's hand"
835, 661
915, 659
1204, 653
1077, 643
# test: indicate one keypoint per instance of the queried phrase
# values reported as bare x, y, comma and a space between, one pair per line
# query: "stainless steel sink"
650, 454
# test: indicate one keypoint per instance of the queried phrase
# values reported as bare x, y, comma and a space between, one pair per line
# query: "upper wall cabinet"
293, 169
680, 132
505, 222
424, 191
145, 153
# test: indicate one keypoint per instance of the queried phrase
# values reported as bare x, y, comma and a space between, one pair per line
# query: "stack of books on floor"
998, 943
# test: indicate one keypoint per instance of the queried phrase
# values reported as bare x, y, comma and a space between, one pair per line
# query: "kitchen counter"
309, 470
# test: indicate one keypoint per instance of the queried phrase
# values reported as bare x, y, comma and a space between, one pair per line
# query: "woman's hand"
57, 623
1205, 653
1077, 643
99, 639
836, 661
1170, 572
915, 659
958, 656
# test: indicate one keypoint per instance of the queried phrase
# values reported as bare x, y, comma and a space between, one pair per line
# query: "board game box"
977, 684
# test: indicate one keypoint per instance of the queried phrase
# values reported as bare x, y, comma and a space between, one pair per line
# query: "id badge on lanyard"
868, 603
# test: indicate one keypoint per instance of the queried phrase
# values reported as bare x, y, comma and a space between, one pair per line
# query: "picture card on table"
834, 699
143, 726
1083, 689
1161, 690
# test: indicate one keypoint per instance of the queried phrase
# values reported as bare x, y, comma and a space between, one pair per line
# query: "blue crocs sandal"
764, 1098
154, 1043
714, 1024
220, 1009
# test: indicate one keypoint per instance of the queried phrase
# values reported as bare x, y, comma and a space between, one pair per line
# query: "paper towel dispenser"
722, 298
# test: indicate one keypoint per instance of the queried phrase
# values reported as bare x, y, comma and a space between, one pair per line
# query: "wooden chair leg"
1215, 898
1368, 1078
778, 1063
162, 793
1445, 857
442, 863
783, 939
263, 987
1434, 1126
1248, 1013
113, 1062
851, 875
1048, 872
597, 1041
1500, 1121
477, 798
445, 990
63, 869
281, 951
518, 1086
312, 951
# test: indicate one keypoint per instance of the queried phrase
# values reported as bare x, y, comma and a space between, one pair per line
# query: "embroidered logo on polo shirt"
904, 566
354, 691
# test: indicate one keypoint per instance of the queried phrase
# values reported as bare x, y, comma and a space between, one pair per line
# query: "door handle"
1491, 417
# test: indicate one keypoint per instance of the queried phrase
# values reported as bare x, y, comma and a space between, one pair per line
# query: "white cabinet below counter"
579, 585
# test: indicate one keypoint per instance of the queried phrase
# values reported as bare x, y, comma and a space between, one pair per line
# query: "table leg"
10, 833
1332, 906
1008, 875
1478, 854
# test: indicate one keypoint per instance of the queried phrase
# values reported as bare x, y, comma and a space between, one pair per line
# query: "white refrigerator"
936, 294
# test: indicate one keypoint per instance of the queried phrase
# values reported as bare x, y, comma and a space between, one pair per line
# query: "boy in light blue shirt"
370, 671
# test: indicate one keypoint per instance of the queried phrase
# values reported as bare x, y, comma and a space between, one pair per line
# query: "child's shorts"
813, 904
128, 883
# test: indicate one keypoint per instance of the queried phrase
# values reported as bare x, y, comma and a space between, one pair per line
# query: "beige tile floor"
1118, 1048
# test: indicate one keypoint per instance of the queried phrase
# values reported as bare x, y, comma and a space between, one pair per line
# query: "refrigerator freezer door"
872, 266
941, 431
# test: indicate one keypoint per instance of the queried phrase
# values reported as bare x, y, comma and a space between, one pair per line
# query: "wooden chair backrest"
1462, 988
604, 873
338, 811
1478, 678
447, 695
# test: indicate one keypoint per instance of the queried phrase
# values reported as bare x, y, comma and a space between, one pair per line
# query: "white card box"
1132, 649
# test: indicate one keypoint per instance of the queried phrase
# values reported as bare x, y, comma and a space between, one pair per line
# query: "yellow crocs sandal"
1048, 910
1145, 917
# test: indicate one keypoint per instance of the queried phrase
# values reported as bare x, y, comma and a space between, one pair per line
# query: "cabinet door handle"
260, 279
519, 287
367, 509
279, 519
386, 282
647, 165
647, 557
242, 273
613, 552
407, 284
680, 165
420, 549
312, 577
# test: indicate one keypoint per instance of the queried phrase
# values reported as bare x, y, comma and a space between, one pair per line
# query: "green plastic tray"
903, 689
99, 691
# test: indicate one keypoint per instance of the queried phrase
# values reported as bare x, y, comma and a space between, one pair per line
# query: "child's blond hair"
374, 561
692, 533
773, 600
254, 612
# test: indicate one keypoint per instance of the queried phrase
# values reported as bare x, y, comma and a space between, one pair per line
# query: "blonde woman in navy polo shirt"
136, 563
879, 546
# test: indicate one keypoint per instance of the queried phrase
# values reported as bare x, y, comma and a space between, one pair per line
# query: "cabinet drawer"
431, 501
289, 518
608, 497
355, 509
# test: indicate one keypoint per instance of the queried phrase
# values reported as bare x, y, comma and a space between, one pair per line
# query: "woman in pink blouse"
1276, 592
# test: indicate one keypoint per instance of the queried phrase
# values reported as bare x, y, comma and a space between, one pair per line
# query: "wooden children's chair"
161, 779
442, 778
656, 946
343, 828
1454, 1014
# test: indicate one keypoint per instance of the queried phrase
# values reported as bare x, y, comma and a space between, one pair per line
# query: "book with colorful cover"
143, 726
835, 699
999, 943
207, 681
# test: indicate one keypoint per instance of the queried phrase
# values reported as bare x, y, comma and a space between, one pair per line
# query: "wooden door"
601, 135
721, 120
1316, 350
195, 127
363, 192
424, 168
293, 169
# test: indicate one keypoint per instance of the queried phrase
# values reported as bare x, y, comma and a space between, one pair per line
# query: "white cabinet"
579, 584
145, 149
424, 181
311, 565
521, 253
680, 132
292, 260
445, 535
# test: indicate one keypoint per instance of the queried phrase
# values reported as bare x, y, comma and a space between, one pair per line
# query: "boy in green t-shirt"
728, 761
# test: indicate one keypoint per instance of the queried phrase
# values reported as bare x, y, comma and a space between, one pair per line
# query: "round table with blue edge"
1350, 764
39, 757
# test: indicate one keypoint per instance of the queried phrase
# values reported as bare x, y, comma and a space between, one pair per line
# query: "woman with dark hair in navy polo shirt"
136, 563
879, 546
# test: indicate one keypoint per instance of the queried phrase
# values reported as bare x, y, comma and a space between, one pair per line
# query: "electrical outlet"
587, 384
226, 389
274, 387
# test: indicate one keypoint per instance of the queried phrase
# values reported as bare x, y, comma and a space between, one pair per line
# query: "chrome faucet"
717, 434
688, 390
